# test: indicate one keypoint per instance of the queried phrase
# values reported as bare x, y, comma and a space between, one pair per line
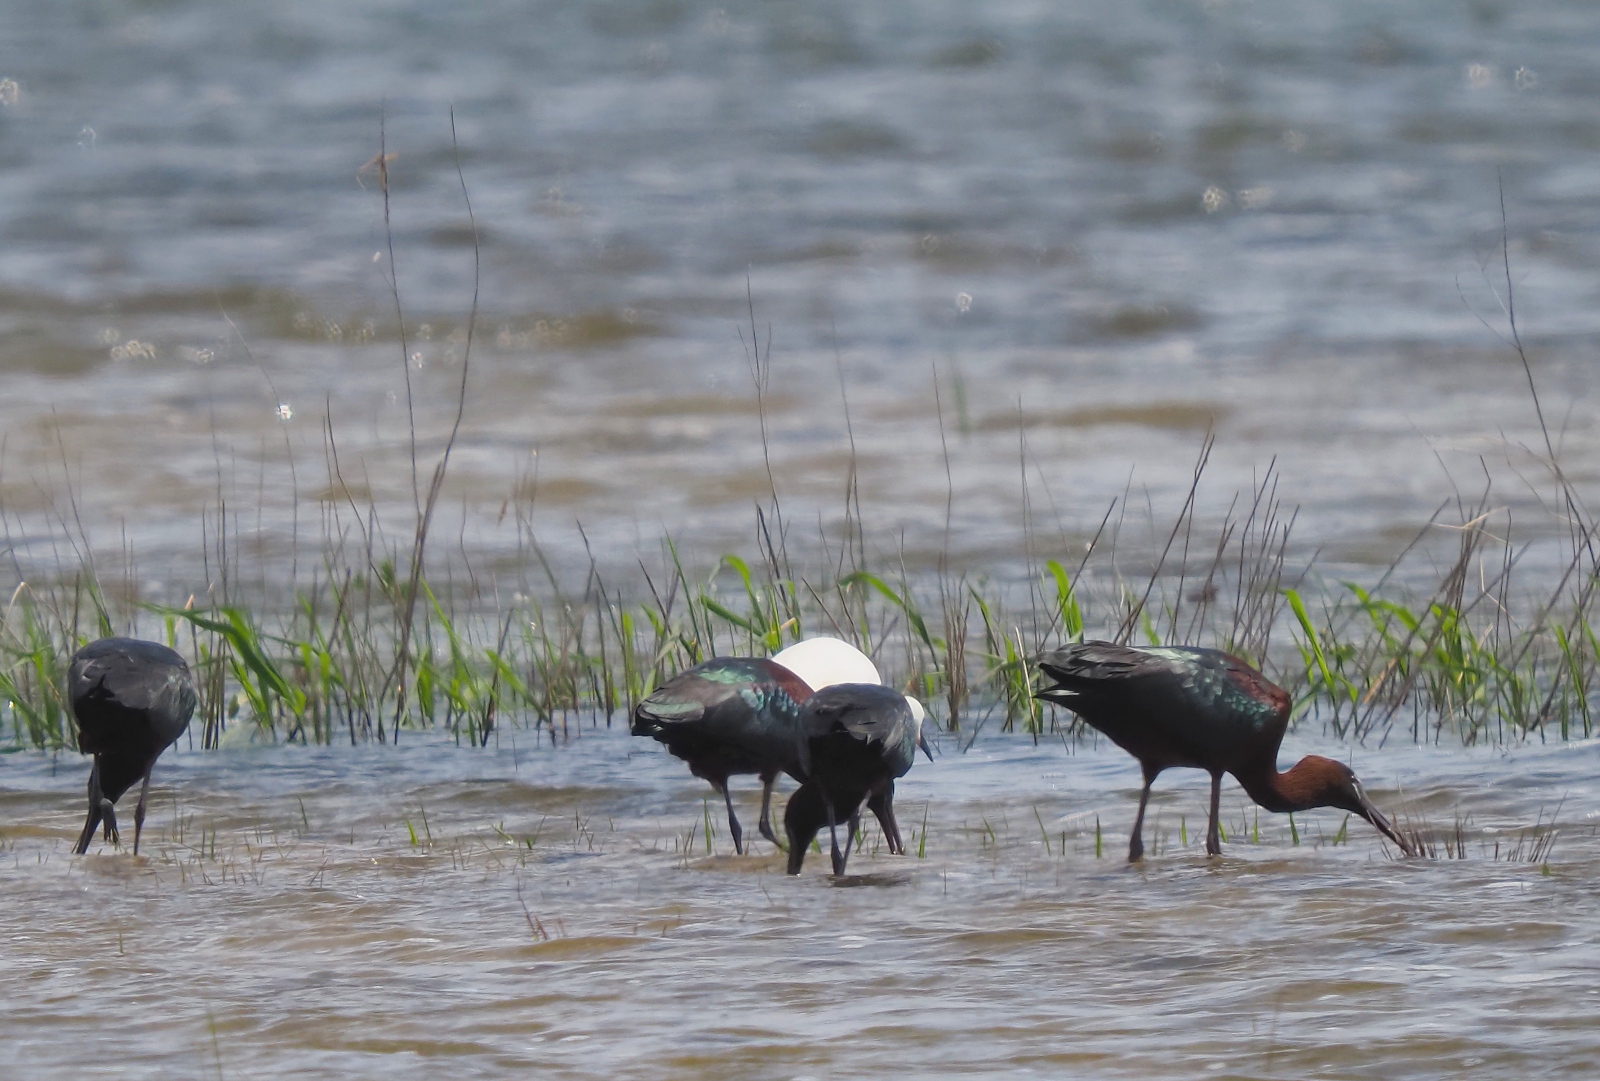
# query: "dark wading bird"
1203, 709
132, 700
859, 738
731, 715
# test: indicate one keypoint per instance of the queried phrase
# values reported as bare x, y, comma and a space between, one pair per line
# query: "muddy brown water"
558, 914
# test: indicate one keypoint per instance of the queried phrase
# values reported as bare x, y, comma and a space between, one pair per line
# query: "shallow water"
1109, 226
1014, 192
559, 912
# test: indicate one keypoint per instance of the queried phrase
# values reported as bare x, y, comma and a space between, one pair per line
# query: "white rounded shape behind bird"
823, 662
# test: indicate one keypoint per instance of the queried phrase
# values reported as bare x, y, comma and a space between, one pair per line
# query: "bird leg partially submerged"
765, 825
833, 837
92, 822
108, 814
734, 829
849, 842
101, 811
881, 804
1136, 842
1213, 834
138, 812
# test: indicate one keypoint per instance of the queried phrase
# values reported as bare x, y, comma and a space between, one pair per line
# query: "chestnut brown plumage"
1205, 709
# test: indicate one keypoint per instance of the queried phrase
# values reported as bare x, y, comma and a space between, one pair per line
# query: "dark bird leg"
881, 803
850, 840
765, 825
138, 812
1213, 838
108, 814
91, 823
733, 819
833, 837
1136, 842
801, 820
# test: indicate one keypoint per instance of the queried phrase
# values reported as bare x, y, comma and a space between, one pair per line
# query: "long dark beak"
1375, 816
922, 741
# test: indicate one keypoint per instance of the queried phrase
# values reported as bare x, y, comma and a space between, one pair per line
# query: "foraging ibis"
824, 662
735, 715
859, 738
132, 700
1204, 709
731, 715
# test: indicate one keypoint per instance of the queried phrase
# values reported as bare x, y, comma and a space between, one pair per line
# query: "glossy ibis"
132, 700
1203, 709
824, 662
859, 739
735, 715
731, 715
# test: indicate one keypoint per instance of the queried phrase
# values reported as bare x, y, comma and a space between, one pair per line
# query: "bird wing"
697, 694
1085, 664
747, 705
1203, 700
118, 678
137, 677
868, 712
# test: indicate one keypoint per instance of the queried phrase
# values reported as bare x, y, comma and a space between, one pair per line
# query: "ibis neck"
1277, 792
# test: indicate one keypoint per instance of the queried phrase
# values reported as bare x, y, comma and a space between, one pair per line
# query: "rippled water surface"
1052, 241
558, 912
1109, 224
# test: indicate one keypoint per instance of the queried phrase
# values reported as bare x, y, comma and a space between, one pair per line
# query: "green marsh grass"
384, 634
1445, 664
1529, 844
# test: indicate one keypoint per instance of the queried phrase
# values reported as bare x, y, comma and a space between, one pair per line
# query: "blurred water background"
1094, 229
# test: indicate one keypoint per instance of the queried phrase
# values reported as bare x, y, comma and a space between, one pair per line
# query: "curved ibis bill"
1205, 709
